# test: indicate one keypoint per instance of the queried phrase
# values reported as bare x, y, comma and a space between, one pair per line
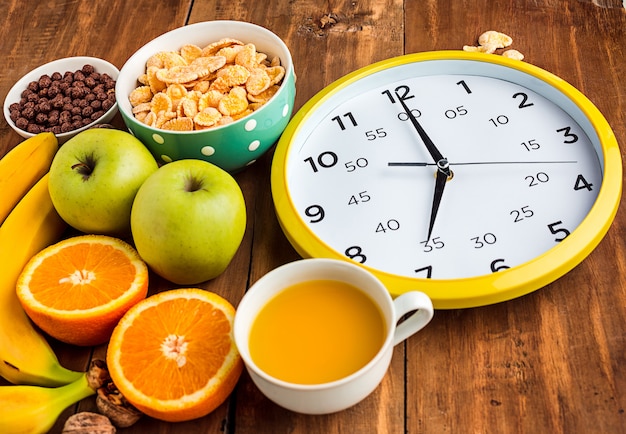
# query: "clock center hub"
444, 166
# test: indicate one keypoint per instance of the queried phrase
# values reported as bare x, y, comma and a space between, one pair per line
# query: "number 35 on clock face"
471, 177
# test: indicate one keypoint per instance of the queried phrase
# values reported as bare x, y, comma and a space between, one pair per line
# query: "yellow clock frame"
478, 290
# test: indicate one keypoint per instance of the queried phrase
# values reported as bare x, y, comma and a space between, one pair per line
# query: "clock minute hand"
476, 163
443, 171
430, 146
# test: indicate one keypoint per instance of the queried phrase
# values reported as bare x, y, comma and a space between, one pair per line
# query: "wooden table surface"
553, 361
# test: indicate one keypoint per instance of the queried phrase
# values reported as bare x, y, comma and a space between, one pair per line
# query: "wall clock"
469, 176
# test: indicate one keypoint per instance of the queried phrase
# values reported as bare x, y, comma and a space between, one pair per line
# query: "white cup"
343, 393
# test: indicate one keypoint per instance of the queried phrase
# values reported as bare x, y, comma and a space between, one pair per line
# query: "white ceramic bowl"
233, 146
60, 65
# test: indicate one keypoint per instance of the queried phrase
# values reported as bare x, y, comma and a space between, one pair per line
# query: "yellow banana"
22, 167
25, 355
35, 409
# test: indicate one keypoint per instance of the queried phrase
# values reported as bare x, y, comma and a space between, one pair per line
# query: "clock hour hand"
443, 167
430, 146
443, 173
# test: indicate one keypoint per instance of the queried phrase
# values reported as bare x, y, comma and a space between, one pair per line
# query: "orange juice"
316, 332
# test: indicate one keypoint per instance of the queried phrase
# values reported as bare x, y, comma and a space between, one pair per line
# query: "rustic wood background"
549, 362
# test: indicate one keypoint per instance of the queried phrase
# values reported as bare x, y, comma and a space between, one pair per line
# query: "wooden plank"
112, 31
326, 43
550, 361
606, 3
38, 32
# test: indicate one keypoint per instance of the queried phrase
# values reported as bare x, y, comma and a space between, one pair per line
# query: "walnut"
114, 405
88, 423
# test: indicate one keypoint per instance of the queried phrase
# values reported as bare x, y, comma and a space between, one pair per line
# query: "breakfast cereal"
197, 88
63, 102
513, 54
491, 41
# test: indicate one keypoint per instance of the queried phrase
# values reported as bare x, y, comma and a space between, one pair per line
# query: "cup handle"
421, 311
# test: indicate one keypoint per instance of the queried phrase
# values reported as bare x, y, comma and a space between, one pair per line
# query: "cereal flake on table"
196, 88
491, 41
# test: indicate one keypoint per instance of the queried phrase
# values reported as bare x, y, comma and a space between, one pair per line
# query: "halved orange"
78, 289
173, 355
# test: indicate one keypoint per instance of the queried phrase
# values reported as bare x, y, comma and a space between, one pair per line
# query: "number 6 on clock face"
471, 177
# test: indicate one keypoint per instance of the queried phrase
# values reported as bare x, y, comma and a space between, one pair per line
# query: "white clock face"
525, 171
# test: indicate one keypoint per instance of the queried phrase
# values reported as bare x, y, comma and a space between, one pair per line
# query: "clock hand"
430, 146
422, 164
443, 173
443, 167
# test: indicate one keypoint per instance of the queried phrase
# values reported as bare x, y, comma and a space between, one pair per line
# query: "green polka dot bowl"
232, 146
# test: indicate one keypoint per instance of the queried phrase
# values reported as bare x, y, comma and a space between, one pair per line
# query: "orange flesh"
105, 277
204, 329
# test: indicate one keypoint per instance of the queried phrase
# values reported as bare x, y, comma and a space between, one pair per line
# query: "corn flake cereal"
498, 39
491, 41
155, 84
513, 54
275, 61
150, 119
489, 49
142, 107
178, 124
176, 74
258, 81
276, 73
190, 52
161, 102
162, 117
234, 75
176, 92
202, 87
139, 95
210, 99
207, 117
203, 66
235, 102
214, 47
247, 56
141, 116
189, 108
264, 96
230, 52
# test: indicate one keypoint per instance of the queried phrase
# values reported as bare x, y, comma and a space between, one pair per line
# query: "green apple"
188, 220
94, 177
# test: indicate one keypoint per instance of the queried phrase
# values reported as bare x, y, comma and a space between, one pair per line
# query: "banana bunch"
31, 225
22, 167
35, 409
